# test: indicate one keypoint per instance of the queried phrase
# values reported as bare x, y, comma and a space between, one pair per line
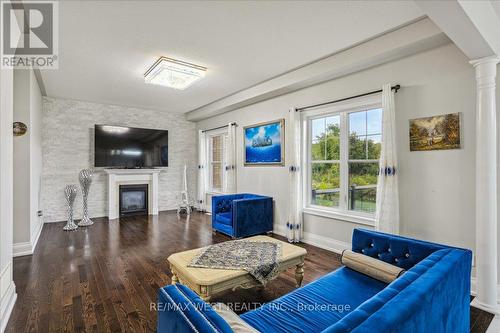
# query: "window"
216, 152
342, 159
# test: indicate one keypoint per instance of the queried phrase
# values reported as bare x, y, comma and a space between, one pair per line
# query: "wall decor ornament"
70, 192
19, 128
85, 178
435, 133
264, 143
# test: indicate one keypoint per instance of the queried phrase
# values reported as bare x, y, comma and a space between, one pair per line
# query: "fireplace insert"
133, 200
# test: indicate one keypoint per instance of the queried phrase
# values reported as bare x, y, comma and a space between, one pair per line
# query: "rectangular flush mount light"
174, 73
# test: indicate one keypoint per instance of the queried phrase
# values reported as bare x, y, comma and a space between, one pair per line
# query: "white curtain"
230, 168
387, 211
202, 171
294, 224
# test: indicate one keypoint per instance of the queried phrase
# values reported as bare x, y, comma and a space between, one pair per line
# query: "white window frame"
209, 172
343, 109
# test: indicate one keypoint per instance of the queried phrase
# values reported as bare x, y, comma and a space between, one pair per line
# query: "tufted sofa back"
395, 250
433, 296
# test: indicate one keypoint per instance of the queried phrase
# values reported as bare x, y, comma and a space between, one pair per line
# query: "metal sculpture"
184, 204
85, 178
70, 192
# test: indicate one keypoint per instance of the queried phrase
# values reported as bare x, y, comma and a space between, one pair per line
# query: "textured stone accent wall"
68, 147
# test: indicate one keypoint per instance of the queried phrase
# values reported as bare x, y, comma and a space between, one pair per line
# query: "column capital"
486, 60
486, 71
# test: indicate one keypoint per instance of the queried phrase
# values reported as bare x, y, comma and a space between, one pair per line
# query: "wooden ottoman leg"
175, 279
204, 294
299, 274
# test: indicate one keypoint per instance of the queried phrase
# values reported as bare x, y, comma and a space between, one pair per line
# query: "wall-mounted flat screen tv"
128, 147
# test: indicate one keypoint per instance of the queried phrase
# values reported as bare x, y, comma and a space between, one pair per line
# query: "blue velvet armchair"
242, 215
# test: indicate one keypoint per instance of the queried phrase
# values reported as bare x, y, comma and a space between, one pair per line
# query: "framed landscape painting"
265, 143
435, 133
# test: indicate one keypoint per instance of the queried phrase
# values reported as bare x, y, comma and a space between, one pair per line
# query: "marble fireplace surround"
117, 177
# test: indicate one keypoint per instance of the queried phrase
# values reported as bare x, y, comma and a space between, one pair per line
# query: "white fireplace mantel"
117, 177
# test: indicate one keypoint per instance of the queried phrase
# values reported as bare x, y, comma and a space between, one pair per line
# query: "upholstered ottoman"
207, 282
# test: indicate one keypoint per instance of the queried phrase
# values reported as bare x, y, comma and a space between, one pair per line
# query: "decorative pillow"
372, 267
237, 324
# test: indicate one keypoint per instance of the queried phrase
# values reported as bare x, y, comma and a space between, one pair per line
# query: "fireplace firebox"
133, 200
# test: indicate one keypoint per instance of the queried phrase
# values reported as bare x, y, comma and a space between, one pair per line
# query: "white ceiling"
105, 47
496, 6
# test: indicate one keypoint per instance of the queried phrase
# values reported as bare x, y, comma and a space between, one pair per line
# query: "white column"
486, 185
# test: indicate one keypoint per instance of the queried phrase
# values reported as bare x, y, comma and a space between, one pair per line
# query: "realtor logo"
29, 34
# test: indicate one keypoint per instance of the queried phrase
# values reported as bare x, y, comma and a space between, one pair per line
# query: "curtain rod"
396, 88
216, 128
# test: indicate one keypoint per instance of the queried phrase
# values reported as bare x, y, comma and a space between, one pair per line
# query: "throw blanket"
260, 259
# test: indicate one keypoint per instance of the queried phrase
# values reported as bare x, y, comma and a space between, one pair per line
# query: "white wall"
436, 187
68, 147
27, 162
498, 161
36, 107
7, 287
22, 158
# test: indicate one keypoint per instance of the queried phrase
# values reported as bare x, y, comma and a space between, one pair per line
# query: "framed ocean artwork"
264, 143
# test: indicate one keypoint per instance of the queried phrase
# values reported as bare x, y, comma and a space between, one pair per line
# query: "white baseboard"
27, 248
36, 236
279, 230
8, 296
322, 242
326, 243
22, 249
473, 288
64, 219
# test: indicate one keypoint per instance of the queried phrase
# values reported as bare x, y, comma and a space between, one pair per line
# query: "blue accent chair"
433, 295
242, 215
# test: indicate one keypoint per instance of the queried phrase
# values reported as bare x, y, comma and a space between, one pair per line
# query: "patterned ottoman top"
258, 258
209, 276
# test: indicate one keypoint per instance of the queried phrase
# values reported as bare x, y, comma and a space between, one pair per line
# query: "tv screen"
128, 147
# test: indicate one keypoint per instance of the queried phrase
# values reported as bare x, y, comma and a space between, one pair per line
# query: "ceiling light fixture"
174, 73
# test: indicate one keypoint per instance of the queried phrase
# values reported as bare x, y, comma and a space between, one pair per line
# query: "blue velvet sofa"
431, 296
242, 215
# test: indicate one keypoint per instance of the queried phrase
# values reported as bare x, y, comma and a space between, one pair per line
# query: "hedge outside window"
344, 148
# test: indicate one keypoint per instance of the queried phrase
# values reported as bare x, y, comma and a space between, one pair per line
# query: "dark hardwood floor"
104, 278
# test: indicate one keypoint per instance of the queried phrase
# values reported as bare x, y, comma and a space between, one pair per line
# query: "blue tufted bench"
433, 295
242, 215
